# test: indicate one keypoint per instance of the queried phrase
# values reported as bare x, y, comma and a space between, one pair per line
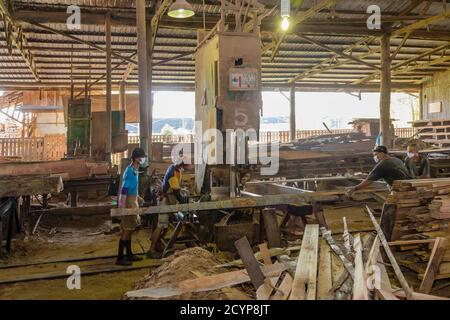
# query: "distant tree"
167, 130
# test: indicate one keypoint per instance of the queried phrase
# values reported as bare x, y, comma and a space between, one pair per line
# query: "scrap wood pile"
325, 268
422, 215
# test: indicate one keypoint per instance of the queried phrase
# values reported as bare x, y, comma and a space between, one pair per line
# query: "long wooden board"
304, 285
433, 265
359, 281
237, 203
325, 281
208, 283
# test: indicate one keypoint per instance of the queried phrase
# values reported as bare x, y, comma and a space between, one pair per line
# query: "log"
75, 169
16, 186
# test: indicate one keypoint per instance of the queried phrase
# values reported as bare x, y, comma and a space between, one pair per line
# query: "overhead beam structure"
298, 18
15, 36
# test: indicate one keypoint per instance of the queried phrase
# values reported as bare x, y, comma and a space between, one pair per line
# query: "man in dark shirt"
387, 168
418, 165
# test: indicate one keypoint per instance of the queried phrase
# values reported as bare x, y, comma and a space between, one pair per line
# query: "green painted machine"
79, 128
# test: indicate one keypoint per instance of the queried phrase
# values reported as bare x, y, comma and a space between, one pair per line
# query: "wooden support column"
108, 146
385, 91
292, 113
122, 95
149, 96
143, 75
421, 104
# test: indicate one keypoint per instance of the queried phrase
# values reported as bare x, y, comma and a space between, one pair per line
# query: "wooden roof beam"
15, 36
88, 43
299, 17
338, 52
154, 27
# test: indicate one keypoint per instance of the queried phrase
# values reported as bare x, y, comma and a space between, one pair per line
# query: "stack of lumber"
440, 207
418, 203
434, 131
423, 213
67, 169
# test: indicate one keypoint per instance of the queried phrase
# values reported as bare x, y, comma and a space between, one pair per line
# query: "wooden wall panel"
437, 90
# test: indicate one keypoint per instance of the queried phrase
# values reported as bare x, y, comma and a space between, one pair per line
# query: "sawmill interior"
96, 204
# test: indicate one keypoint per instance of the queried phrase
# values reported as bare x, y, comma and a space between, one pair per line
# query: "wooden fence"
270, 136
49, 147
53, 147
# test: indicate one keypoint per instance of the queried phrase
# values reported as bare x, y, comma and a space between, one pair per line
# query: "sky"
312, 109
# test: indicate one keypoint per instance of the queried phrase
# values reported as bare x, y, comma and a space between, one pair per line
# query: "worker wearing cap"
128, 198
418, 165
387, 168
170, 194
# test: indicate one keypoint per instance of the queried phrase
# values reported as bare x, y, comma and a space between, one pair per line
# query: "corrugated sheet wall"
436, 90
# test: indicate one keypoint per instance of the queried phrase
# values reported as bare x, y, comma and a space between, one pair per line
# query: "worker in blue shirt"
128, 198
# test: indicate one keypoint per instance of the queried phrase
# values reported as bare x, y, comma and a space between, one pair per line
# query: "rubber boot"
130, 255
121, 261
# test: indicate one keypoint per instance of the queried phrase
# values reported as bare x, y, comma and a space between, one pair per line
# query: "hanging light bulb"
285, 14
285, 23
181, 9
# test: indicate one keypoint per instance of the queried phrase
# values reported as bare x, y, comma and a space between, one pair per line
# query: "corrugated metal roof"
339, 27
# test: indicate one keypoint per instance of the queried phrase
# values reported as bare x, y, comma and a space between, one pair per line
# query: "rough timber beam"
88, 43
420, 24
405, 33
14, 35
300, 17
154, 26
333, 62
340, 53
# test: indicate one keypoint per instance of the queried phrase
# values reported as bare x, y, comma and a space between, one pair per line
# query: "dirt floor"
60, 239
56, 241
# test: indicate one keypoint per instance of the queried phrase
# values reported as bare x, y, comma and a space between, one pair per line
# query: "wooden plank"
231, 293
271, 227
391, 257
237, 203
304, 285
251, 264
359, 281
265, 254
433, 265
273, 253
284, 290
418, 296
325, 281
208, 283
388, 220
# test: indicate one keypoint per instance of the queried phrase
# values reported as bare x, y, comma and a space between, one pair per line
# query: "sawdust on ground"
183, 265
